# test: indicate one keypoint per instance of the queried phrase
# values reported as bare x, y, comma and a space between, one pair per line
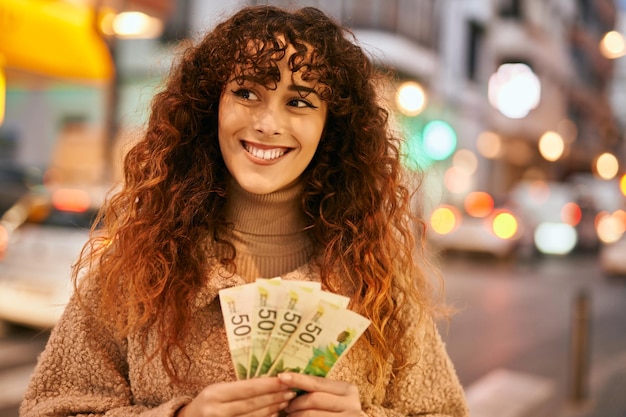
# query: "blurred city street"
510, 339
515, 111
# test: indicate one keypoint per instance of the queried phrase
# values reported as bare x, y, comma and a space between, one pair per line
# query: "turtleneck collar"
277, 213
269, 232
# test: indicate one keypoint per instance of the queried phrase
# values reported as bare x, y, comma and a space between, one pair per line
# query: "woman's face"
269, 136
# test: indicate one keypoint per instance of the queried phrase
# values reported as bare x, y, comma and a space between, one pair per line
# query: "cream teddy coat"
86, 370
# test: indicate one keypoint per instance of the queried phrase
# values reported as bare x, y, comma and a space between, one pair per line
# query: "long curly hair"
151, 252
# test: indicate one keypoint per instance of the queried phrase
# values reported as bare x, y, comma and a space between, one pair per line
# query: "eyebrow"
300, 89
303, 89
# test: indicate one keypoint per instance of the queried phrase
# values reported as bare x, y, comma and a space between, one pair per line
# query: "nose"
269, 121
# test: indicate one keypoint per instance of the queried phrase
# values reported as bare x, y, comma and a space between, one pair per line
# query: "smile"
265, 154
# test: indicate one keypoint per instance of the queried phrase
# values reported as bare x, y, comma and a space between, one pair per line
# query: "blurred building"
452, 48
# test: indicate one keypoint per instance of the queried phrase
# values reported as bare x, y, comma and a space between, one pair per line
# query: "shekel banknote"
237, 308
269, 295
320, 340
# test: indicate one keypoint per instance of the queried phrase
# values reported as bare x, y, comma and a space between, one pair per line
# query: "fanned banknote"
275, 326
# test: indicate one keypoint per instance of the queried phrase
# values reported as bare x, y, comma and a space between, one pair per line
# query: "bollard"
580, 351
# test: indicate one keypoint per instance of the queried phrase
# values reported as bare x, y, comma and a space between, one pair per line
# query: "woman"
267, 154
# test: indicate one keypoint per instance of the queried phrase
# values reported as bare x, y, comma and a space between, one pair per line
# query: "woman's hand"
324, 397
259, 397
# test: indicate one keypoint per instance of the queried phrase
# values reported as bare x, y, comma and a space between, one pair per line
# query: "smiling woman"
267, 154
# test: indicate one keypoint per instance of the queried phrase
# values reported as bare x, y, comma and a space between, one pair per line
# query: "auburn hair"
149, 258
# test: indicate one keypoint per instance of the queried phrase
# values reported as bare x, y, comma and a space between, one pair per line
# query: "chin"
259, 188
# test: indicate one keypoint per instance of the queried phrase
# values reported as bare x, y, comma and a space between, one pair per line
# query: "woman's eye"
301, 103
245, 94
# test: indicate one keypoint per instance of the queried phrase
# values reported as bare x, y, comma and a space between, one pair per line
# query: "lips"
265, 153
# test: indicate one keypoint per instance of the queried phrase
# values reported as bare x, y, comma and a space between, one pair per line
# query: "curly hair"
169, 213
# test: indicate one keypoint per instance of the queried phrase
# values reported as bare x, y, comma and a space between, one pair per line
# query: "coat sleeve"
83, 371
428, 385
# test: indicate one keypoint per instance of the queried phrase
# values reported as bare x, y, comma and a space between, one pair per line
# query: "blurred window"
511, 9
414, 19
475, 43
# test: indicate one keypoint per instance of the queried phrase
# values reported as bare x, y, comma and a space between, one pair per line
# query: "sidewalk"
507, 393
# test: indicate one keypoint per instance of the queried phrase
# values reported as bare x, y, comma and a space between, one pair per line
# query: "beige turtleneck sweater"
269, 233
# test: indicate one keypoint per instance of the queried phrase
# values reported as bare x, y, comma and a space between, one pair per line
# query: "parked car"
555, 217
14, 183
477, 226
44, 234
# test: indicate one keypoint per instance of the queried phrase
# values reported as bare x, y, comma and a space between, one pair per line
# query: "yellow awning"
53, 38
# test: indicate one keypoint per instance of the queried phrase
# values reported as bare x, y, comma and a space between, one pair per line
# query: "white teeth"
266, 154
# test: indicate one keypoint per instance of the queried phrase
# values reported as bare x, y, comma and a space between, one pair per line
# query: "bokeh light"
609, 227
445, 219
607, 166
478, 204
622, 185
571, 214
514, 90
555, 238
411, 98
136, 25
613, 45
551, 146
505, 224
439, 140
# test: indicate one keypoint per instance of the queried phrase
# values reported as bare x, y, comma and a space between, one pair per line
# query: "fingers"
259, 398
323, 397
245, 389
265, 405
310, 383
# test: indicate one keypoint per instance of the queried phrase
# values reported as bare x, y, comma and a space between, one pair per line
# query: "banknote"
237, 305
318, 342
268, 297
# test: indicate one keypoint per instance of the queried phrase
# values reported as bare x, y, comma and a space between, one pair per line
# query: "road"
510, 339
